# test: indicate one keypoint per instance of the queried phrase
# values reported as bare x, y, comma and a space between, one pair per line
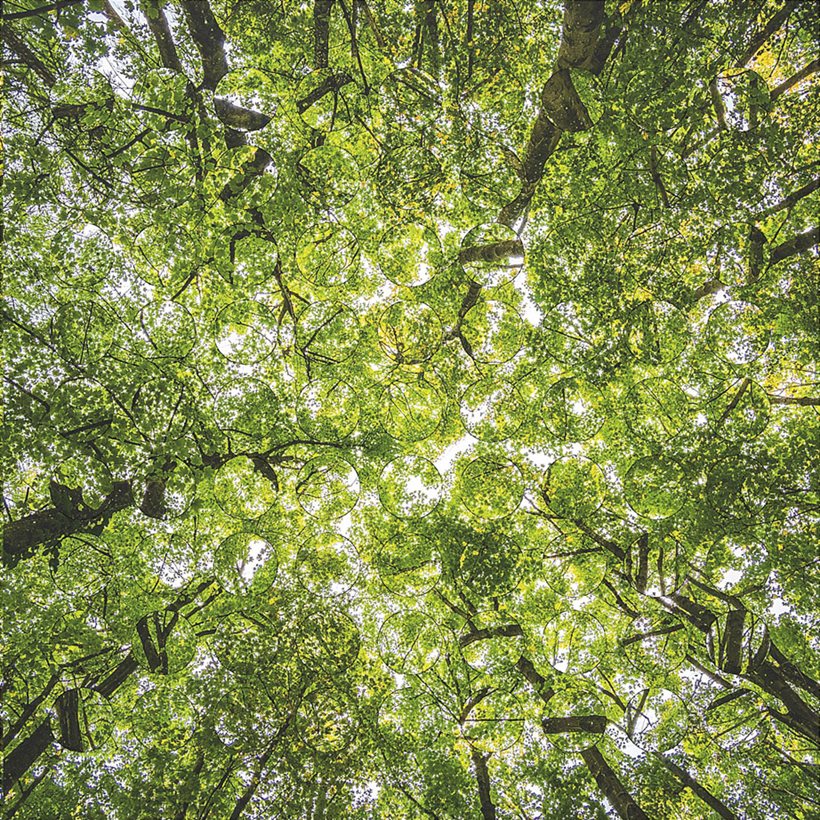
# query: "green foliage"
409, 406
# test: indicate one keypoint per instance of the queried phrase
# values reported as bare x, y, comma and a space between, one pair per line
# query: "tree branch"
795, 78
797, 244
161, 30
703, 793
792, 199
767, 31
209, 40
20, 15
609, 783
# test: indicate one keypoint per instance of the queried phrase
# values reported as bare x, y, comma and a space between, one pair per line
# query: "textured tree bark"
68, 713
562, 104
158, 26
594, 724
770, 28
22, 536
494, 252
792, 81
610, 784
797, 244
792, 672
209, 40
27, 56
237, 116
535, 678
802, 718
503, 631
642, 575
579, 32
561, 107
321, 32
31, 707
482, 776
124, 669
252, 168
732, 647
61, 4
794, 197
332, 83
25, 755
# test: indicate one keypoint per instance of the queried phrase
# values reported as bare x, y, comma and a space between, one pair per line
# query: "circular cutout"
740, 488
327, 332
407, 566
494, 723
410, 254
495, 645
656, 487
492, 332
330, 177
409, 99
245, 332
410, 178
573, 333
328, 254
490, 564
160, 409
739, 412
409, 332
243, 488
572, 409
166, 493
327, 486
83, 473
255, 259
326, 640
574, 642
492, 409
655, 644
324, 100
656, 410
574, 487
246, 412
575, 566
737, 332
490, 487
656, 720
328, 564
409, 642
163, 642
82, 410
328, 409
576, 717
245, 562
167, 330
151, 258
492, 254
411, 408
487, 176
657, 332
82, 332
410, 487
327, 723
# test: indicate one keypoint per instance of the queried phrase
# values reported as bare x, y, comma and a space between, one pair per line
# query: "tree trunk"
24, 756
609, 783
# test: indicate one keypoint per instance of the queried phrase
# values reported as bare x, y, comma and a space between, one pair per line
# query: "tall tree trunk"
610, 784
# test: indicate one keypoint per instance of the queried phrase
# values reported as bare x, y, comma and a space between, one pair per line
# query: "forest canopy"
410, 409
